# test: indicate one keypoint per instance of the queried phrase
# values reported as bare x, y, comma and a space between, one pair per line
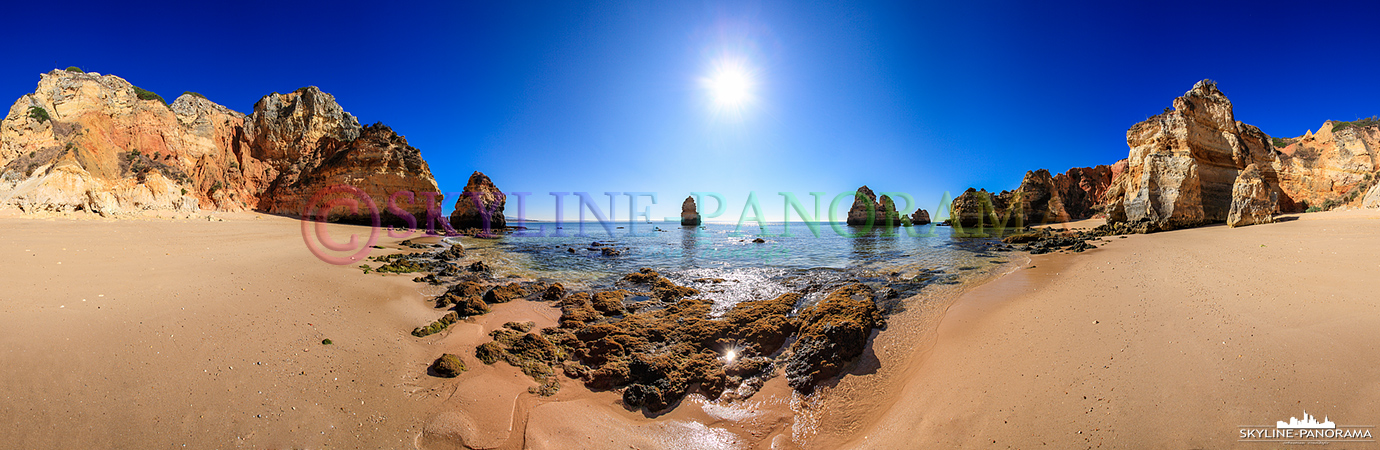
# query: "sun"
731, 85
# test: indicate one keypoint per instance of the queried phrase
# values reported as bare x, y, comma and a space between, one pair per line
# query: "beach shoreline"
1004, 357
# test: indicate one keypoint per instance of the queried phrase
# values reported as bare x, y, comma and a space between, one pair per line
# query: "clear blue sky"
904, 96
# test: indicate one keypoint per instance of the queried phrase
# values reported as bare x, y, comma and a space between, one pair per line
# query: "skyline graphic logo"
1306, 431
1308, 422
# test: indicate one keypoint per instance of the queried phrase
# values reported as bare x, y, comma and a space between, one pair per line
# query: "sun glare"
730, 86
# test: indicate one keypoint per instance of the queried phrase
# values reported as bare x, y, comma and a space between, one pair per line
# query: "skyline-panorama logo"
1306, 431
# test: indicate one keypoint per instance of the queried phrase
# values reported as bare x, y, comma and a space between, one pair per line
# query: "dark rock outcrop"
480, 205
689, 215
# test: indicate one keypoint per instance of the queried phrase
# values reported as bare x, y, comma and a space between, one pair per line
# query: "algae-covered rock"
489, 352
472, 305
437, 326
505, 293
833, 332
554, 292
520, 326
448, 366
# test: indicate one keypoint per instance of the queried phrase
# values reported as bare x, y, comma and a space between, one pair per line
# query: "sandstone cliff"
689, 215
1195, 165
96, 143
1184, 164
1041, 198
1332, 167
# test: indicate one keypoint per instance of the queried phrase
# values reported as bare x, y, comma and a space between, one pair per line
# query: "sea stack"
480, 205
883, 212
920, 217
689, 215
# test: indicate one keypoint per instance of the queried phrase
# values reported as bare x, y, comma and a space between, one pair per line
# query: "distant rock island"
1195, 165
689, 213
97, 143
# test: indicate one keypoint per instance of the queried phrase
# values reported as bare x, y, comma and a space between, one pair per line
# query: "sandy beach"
160, 333
1167, 340
163, 333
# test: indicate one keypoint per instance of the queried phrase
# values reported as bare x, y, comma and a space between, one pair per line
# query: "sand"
160, 333
1168, 340
165, 333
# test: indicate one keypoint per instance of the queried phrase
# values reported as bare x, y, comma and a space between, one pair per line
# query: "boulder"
480, 205
1252, 201
689, 215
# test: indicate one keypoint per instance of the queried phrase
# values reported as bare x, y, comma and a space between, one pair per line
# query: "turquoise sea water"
792, 258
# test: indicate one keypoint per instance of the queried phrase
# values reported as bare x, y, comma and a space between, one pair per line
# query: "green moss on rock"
448, 366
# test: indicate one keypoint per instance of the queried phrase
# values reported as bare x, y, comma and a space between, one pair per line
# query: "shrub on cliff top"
145, 94
194, 94
39, 114
75, 69
1358, 123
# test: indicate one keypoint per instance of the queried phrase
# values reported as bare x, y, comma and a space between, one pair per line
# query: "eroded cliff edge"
97, 143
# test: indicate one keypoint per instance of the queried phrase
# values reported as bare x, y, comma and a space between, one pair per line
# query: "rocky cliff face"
1184, 164
1041, 198
866, 205
1332, 167
480, 206
689, 215
88, 142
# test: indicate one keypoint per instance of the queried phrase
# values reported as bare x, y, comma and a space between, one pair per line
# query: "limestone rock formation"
1331, 167
864, 207
1042, 198
1184, 163
1252, 200
867, 207
920, 217
689, 215
1372, 198
979, 208
89, 142
480, 205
